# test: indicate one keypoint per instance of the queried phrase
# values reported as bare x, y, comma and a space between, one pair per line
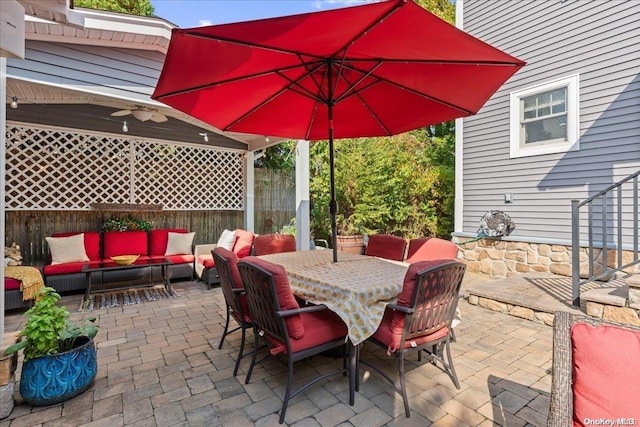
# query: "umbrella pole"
333, 205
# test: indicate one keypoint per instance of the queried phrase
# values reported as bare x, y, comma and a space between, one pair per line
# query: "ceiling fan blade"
121, 113
159, 118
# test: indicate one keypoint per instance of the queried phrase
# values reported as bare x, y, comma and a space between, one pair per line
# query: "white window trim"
573, 115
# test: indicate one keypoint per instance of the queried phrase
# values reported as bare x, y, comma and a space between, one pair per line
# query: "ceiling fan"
142, 113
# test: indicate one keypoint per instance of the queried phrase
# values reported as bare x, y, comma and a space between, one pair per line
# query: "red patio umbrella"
372, 70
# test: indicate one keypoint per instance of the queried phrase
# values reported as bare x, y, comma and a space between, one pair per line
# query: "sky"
193, 13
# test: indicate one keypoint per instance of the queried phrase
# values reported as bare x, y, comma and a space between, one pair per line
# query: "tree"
443, 9
132, 7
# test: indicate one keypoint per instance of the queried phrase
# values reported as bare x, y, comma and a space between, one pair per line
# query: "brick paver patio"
159, 365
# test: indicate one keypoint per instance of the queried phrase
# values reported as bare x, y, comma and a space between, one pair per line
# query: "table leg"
353, 372
167, 283
88, 291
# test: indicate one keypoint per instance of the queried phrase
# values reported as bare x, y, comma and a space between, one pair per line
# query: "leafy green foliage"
443, 9
48, 329
132, 7
126, 224
400, 185
281, 157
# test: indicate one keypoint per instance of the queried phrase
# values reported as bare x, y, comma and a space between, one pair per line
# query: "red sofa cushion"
386, 246
158, 240
125, 243
11, 284
67, 268
179, 259
425, 249
91, 243
206, 261
287, 301
244, 243
606, 373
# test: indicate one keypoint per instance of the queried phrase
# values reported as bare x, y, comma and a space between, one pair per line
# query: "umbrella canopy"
372, 70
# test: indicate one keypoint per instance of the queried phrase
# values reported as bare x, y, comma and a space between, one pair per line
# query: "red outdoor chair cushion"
606, 373
386, 246
11, 284
244, 243
266, 244
67, 268
390, 336
207, 261
287, 301
319, 327
425, 249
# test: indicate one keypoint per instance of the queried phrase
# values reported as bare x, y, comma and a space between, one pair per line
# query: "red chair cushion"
425, 249
206, 261
125, 243
244, 243
179, 259
91, 243
236, 278
266, 244
320, 327
10, 284
159, 238
386, 246
391, 336
287, 301
606, 373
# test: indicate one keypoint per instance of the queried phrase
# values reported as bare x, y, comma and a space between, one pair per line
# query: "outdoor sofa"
174, 244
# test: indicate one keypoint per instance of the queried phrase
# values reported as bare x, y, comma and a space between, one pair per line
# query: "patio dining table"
357, 288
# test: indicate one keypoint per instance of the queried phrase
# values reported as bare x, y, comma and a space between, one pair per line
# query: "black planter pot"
52, 379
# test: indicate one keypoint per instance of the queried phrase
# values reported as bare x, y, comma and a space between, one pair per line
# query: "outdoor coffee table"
124, 280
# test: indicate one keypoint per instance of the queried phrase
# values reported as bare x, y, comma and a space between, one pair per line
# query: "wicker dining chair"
234, 296
595, 372
294, 332
421, 319
386, 246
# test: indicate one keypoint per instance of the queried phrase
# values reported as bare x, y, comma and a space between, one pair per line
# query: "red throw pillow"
243, 244
287, 301
606, 373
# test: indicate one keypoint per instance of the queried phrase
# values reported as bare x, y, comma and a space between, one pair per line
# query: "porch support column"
250, 207
3, 154
303, 214
458, 224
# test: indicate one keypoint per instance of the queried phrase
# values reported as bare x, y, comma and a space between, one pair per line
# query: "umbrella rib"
410, 90
196, 34
352, 87
235, 79
437, 61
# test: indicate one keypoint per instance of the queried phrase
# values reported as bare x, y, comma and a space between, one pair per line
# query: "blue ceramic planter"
48, 380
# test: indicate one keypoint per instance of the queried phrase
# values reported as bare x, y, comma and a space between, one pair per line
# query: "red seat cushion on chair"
386, 246
606, 373
391, 337
319, 327
244, 243
206, 261
287, 301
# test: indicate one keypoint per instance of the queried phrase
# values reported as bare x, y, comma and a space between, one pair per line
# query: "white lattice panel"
53, 169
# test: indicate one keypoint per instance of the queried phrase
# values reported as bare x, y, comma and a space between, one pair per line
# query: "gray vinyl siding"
110, 71
600, 41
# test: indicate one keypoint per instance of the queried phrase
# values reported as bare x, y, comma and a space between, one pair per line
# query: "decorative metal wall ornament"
495, 223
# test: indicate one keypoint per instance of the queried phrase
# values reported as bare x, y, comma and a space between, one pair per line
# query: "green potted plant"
59, 356
126, 224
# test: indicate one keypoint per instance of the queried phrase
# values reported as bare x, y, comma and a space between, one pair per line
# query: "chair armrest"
408, 310
204, 249
240, 291
306, 309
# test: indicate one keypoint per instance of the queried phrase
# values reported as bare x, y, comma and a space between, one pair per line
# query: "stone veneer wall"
500, 257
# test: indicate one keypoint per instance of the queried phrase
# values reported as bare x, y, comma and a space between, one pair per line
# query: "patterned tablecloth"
357, 287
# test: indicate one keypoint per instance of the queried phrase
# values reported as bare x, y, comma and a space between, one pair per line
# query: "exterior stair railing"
612, 227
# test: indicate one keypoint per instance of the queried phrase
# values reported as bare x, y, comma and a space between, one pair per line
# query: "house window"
544, 118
